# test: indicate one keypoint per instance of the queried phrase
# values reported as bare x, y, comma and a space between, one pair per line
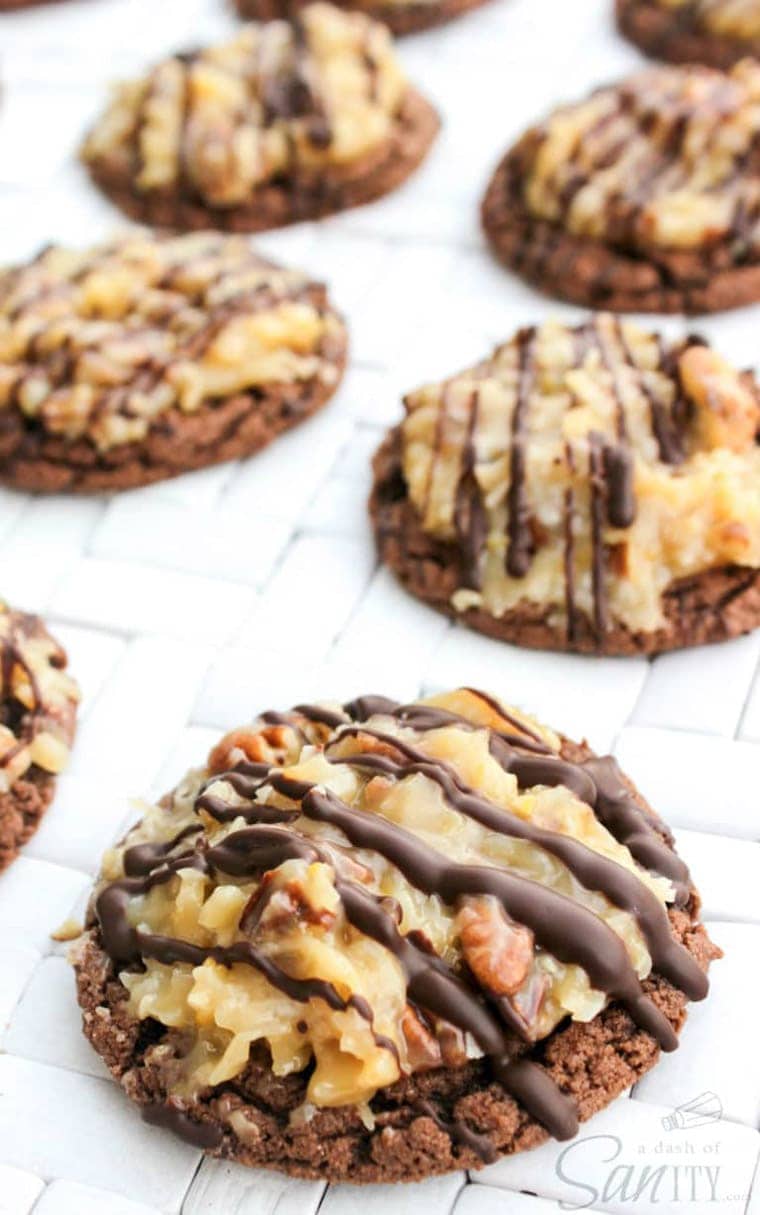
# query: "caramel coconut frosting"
38, 701
578, 488
645, 196
110, 355
288, 120
372, 899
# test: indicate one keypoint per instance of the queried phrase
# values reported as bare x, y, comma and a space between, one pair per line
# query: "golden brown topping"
100, 343
587, 469
727, 403
37, 700
353, 906
665, 160
280, 98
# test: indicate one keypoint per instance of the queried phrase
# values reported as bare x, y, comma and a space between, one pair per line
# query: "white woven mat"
189, 606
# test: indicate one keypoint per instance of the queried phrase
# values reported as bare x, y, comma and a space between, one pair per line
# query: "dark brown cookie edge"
593, 1063
25, 803
287, 202
663, 34
589, 273
231, 429
21, 811
401, 19
709, 607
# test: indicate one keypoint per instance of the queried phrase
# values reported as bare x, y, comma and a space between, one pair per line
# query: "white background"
189, 606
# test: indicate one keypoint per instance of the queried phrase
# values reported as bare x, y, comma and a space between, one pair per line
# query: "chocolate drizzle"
563, 927
469, 516
598, 562
605, 456
520, 544
204, 1135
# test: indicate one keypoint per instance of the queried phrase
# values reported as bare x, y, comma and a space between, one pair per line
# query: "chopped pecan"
279, 908
266, 745
423, 1050
498, 952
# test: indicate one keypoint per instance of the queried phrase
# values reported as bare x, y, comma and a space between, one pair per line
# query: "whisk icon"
700, 1111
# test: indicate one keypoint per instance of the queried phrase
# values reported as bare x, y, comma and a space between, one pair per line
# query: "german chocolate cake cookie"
716, 32
288, 121
401, 16
376, 942
38, 703
588, 488
150, 356
644, 197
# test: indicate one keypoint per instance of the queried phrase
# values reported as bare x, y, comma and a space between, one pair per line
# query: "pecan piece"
498, 952
423, 1051
279, 908
267, 745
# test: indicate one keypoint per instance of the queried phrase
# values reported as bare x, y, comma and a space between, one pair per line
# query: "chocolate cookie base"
178, 442
429, 1123
665, 34
7, 6
21, 811
401, 19
589, 272
709, 607
291, 200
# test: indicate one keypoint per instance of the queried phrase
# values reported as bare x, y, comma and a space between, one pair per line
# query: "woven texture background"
189, 606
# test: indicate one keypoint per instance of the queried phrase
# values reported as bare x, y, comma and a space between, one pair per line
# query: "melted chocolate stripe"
432, 986
422, 717
520, 545
460, 1132
569, 932
594, 871
598, 562
620, 813
568, 554
470, 518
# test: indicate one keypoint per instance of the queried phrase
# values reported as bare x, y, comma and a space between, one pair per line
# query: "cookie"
150, 356
716, 32
589, 488
377, 942
38, 704
6, 6
644, 197
401, 16
289, 121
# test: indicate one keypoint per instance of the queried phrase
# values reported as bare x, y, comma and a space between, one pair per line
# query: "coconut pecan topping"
399, 887
281, 98
101, 343
587, 469
37, 700
665, 160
